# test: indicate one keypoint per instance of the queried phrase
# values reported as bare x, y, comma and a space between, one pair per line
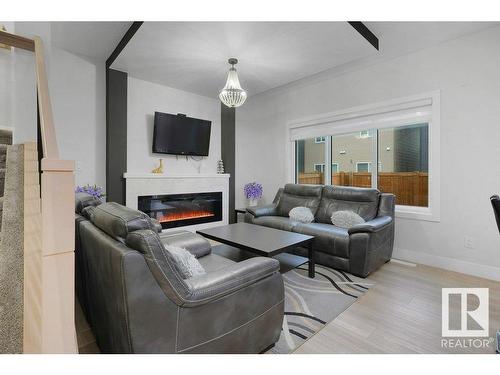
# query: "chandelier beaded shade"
232, 94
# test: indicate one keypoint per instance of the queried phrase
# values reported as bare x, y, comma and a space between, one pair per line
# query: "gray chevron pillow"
185, 262
346, 219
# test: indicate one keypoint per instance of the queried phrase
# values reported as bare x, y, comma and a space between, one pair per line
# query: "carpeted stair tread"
2, 180
1, 214
6, 137
3, 155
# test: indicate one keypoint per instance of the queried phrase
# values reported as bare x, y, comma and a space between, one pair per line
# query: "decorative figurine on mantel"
158, 169
220, 167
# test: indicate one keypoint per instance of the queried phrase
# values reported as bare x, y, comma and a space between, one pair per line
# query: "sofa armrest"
375, 225
267, 210
214, 285
194, 243
156, 225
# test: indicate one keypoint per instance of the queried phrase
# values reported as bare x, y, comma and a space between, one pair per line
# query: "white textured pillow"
185, 262
302, 214
346, 219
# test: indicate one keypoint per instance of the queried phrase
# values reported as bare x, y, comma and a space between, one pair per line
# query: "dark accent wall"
116, 134
228, 122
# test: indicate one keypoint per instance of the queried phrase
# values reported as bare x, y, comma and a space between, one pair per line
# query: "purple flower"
95, 191
253, 190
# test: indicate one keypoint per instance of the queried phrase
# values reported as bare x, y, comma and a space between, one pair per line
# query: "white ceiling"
96, 40
192, 56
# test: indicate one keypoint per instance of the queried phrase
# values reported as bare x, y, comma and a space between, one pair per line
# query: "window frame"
364, 162
385, 115
321, 165
368, 135
337, 165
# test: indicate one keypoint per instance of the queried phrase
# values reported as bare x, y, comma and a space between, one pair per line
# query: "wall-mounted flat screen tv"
180, 135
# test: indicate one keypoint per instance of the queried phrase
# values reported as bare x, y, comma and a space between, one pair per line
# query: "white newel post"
58, 257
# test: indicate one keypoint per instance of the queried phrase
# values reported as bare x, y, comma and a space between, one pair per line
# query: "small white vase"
252, 202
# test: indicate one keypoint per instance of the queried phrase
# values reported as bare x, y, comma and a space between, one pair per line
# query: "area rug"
312, 303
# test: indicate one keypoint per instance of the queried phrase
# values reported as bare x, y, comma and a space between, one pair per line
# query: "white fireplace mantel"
140, 184
173, 176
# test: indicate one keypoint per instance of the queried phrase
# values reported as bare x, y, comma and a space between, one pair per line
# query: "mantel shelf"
173, 176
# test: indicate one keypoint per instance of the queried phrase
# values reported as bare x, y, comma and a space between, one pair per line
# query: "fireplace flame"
176, 216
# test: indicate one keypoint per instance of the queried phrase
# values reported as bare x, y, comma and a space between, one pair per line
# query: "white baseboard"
469, 268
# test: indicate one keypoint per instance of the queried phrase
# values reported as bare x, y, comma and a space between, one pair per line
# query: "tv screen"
180, 135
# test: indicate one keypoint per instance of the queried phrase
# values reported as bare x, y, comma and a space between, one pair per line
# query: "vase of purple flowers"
94, 190
253, 192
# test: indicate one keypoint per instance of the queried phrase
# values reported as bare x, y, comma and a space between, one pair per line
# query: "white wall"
466, 70
77, 90
144, 98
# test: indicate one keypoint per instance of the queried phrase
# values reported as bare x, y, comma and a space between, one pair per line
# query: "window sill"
417, 213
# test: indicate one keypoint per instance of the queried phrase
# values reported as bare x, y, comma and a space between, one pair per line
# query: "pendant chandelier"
232, 94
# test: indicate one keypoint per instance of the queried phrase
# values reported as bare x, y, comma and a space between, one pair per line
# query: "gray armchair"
139, 303
360, 249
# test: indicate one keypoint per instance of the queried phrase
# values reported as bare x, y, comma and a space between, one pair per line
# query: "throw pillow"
301, 214
185, 262
346, 219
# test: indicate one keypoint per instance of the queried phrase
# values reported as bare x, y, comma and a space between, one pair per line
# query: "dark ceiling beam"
365, 32
123, 42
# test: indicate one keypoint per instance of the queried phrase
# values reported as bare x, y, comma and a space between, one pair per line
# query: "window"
400, 136
401, 155
310, 161
403, 151
363, 166
319, 168
350, 153
365, 134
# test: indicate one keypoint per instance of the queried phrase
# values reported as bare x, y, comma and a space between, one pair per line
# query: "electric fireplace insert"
178, 210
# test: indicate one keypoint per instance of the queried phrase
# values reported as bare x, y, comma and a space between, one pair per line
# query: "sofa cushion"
327, 238
296, 195
214, 262
118, 221
185, 262
301, 214
276, 222
346, 219
362, 201
83, 200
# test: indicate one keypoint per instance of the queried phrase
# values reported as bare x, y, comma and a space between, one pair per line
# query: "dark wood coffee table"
261, 240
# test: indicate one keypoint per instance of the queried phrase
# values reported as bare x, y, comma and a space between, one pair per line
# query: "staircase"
11, 244
5, 141
36, 232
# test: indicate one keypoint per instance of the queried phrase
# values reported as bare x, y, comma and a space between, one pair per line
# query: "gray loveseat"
360, 249
136, 301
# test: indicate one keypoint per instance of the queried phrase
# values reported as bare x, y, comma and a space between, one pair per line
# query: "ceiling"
95, 40
192, 56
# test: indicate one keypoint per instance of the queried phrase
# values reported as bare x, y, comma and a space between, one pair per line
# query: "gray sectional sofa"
137, 302
360, 249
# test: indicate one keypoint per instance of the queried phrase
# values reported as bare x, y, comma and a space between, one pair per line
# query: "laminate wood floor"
400, 314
